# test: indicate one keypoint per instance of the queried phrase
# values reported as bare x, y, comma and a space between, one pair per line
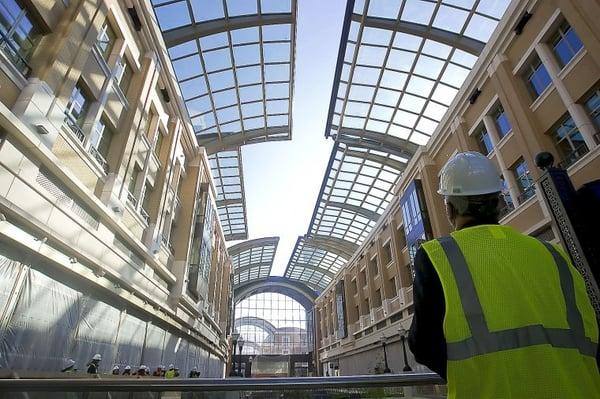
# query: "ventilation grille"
65, 197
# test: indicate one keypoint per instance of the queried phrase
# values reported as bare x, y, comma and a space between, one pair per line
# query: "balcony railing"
428, 385
99, 158
597, 138
507, 208
526, 194
377, 314
144, 214
392, 305
74, 127
365, 321
573, 156
132, 199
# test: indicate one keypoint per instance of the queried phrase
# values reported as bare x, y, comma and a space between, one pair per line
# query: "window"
146, 195
373, 266
537, 77
483, 141
568, 142
525, 182
100, 143
77, 109
507, 204
158, 144
363, 277
501, 121
593, 107
387, 253
135, 174
106, 40
271, 323
18, 34
377, 299
565, 44
123, 76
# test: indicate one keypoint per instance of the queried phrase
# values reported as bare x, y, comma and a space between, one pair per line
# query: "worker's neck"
462, 222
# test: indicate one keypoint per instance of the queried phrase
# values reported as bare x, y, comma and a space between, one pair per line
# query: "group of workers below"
497, 313
142, 371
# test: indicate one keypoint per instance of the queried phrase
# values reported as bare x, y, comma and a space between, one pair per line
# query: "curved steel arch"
257, 322
301, 292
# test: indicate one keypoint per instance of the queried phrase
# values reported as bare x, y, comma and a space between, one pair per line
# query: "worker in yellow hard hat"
499, 314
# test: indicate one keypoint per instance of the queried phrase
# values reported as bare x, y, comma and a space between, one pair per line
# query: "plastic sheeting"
43, 322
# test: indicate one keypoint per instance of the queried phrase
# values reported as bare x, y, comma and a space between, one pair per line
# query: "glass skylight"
226, 169
252, 259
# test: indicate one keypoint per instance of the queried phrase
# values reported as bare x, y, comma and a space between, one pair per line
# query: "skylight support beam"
183, 34
470, 45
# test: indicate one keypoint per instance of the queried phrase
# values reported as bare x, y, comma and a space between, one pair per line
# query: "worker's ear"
451, 213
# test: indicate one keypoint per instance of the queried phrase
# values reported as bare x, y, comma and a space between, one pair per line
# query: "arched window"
271, 324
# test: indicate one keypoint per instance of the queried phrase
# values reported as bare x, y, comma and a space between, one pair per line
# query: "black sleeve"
426, 338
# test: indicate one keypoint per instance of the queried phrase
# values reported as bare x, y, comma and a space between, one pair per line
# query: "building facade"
110, 241
534, 88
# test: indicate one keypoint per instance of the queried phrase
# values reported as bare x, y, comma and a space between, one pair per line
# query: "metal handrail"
217, 385
6, 39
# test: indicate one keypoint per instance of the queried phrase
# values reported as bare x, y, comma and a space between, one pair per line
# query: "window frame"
106, 31
531, 74
18, 58
497, 112
561, 36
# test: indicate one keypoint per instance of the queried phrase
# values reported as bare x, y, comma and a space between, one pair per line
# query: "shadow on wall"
44, 322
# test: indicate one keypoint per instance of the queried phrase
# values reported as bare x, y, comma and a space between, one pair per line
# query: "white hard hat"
144, 367
116, 368
469, 173
195, 369
171, 366
161, 367
69, 363
127, 367
97, 356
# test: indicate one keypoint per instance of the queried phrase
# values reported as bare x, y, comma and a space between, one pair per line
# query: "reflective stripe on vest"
484, 341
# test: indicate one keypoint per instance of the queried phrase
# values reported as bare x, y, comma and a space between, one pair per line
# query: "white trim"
573, 62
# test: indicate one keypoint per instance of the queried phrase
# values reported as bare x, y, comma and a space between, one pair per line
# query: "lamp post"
403, 333
386, 370
234, 341
241, 345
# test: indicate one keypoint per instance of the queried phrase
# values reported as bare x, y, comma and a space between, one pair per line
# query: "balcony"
100, 159
74, 127
132, 199
144, 214
574, 156
526, 194
365, 321
507, 208
377, 314
393, 305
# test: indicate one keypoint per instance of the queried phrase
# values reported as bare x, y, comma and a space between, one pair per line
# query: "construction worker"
68, 366
94, 364
115, 370
127, 370
170, 373
159, 371
499, 314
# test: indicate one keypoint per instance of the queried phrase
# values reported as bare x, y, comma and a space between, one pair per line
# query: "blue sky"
282, 179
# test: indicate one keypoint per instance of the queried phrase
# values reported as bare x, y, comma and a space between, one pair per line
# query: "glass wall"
271, 324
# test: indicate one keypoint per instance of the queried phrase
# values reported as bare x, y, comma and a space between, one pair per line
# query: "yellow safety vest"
170, 374
518, 321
